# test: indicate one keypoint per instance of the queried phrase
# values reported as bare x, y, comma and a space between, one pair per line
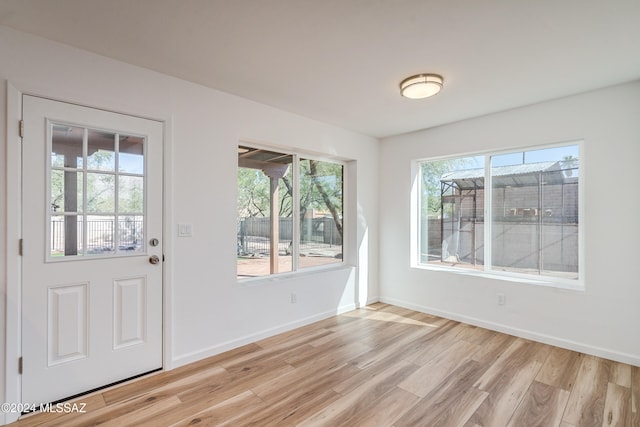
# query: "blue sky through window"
535, 156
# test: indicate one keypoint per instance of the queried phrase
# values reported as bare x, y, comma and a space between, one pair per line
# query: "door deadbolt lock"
154, 242
153, 259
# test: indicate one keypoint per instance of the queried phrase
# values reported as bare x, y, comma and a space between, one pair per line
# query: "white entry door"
92, 248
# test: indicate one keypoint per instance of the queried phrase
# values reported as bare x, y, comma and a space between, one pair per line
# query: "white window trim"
488, 272
296, 271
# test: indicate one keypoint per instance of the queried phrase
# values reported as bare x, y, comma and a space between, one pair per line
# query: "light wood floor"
378, 366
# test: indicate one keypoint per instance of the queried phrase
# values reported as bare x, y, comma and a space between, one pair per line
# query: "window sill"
552, 282
280, 277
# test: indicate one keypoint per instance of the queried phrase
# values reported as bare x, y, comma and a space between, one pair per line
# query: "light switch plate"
185, 230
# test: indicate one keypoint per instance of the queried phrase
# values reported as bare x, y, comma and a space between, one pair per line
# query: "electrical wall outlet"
501, 299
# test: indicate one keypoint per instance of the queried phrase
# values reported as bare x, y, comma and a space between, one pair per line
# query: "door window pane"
131, 233
101, 192
66, 235
131, 155
66, 146
66, 191
101, 151
131, 194
100, 234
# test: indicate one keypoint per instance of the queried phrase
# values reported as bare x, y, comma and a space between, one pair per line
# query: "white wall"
210, 311
3, 233
601, 320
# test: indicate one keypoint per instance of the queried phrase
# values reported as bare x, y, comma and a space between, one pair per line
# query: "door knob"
153, 259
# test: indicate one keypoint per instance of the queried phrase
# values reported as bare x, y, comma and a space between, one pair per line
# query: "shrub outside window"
514, 213
290, 212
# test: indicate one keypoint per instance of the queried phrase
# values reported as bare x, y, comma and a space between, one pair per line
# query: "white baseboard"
522, 333
248, 339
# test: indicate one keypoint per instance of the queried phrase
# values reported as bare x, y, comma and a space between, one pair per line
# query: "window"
514, 213
290, 212
96, 191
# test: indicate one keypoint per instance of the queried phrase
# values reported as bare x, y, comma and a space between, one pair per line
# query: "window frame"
487, 270
297, 156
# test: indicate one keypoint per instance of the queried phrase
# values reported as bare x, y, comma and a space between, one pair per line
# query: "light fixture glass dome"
421, 86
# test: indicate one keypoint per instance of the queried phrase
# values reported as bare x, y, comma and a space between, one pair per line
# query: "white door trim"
13, 380
13, 331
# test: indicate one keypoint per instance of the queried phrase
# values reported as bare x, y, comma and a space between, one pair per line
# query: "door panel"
68, 323
129, 311
92, 200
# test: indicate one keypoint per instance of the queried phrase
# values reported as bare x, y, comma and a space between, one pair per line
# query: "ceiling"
340, 61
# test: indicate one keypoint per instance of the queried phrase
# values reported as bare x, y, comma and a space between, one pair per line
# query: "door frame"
13, 327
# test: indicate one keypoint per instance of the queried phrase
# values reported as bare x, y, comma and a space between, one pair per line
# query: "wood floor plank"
365, 375
295, 337
432, 344
383, 338
354, 324
429, 376
244, 378
363, 331
474, 334
452, 403
304, 393
274, 350
617, 406
138, 416
218, 359
392, 346
363, 397
507, 381
209, 395
288, 412
411, 317
543, 405
621, 374
225, 412
520, 353
134, 388
310, 354
381, 365
635, 396
428, 319
326, 372
178, 385
560, 369
395, 403
586, 402
491, 349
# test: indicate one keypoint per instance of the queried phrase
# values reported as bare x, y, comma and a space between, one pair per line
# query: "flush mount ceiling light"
421, 86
